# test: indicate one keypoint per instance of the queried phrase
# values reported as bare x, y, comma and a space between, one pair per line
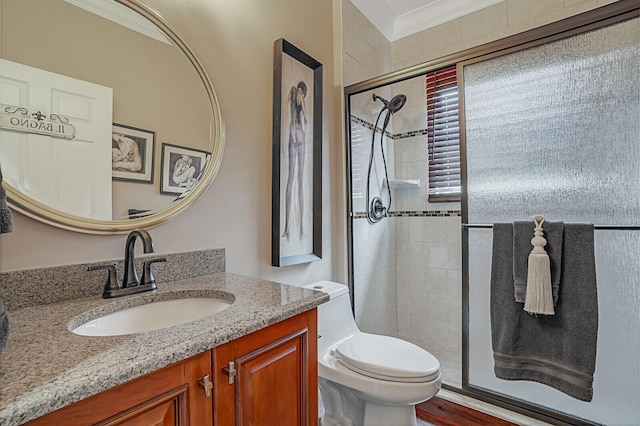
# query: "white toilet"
368, 379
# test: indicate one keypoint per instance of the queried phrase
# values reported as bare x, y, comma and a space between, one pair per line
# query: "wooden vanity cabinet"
169, 396
275, 383
269, 377
276, 376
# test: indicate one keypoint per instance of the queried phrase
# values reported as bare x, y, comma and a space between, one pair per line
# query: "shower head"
394, 105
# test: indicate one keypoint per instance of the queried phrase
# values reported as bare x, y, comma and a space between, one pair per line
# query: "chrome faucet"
131, 284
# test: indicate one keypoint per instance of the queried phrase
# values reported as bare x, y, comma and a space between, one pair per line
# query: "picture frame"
181, 168
296, 234
132, 154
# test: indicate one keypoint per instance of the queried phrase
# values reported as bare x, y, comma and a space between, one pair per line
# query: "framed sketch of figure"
181, 168
132, 152
297, 157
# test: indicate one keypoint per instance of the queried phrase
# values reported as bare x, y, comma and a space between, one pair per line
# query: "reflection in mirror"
126, 88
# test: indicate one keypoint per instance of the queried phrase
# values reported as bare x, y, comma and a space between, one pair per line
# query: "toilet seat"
387, 358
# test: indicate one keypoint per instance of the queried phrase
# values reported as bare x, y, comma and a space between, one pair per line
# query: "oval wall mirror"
109, 121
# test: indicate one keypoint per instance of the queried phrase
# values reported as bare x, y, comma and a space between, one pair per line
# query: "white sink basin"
152, 316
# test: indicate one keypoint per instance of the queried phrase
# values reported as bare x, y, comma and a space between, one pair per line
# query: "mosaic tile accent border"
427, 213
411, 134
424, 213
369, 126
404, 135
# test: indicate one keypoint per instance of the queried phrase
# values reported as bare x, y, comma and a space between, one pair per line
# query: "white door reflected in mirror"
70, 175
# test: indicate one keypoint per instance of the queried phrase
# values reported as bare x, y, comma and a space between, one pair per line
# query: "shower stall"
406, 252
548, 125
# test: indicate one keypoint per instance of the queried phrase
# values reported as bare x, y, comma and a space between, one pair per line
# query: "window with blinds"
443, 135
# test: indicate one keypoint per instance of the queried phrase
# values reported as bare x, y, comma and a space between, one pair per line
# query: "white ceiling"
401, 18
122, 15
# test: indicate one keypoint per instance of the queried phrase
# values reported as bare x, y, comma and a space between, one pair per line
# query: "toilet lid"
387, 358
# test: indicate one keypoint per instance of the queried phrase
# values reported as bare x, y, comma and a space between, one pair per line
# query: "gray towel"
559, 350
522, 235
6, 221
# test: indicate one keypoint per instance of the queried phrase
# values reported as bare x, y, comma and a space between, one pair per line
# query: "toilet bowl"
368, 379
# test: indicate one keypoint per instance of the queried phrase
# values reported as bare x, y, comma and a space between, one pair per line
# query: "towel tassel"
539, 297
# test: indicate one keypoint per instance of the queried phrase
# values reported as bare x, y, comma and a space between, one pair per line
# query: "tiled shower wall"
366, 53
428, 244
493, 23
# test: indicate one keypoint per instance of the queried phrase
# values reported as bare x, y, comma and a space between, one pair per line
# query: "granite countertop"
46, 367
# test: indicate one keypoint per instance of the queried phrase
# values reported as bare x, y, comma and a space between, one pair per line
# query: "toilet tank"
335, 318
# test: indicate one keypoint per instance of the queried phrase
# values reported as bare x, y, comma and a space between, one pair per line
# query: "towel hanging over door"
560, 350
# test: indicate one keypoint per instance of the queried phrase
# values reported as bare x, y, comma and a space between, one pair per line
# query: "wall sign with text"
22, 120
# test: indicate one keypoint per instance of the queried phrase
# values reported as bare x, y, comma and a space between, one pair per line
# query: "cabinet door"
168, 397
275, 380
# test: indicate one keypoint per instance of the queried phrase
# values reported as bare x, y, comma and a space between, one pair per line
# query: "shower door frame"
587, 21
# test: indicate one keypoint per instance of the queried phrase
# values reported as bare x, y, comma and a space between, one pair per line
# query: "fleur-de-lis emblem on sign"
39, 115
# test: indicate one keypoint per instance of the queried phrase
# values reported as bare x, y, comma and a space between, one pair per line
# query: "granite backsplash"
41, 286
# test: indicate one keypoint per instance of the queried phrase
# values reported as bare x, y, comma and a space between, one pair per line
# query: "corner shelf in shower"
402, 183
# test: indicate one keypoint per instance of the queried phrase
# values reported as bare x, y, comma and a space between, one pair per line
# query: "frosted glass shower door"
554, 130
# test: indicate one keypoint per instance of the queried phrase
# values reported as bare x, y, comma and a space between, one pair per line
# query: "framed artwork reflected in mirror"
132, 153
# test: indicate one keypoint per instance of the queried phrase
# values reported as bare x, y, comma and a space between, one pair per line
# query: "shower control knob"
377, 210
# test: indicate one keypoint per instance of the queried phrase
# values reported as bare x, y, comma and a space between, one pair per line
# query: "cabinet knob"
230, 371
206, 384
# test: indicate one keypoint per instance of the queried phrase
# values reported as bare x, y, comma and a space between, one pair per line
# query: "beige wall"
234, 40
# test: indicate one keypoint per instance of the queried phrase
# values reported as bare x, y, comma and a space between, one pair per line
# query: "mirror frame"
36, 210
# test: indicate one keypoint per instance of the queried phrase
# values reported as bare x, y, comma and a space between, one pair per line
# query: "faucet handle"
147, 276
112, 282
